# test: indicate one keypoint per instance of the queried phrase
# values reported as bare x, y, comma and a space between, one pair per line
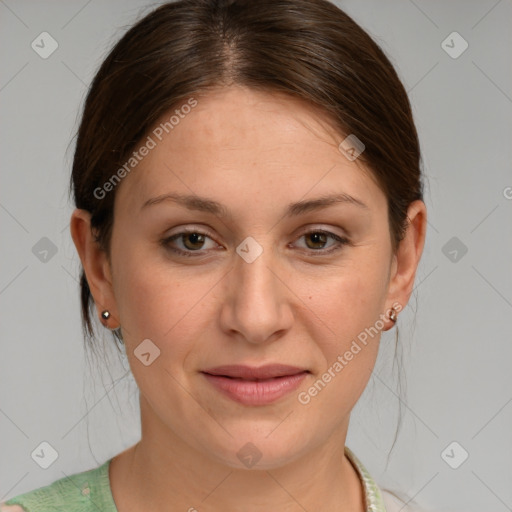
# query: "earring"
393, 316
105, 315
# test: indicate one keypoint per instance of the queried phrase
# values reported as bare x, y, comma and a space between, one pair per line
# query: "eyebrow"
204, 204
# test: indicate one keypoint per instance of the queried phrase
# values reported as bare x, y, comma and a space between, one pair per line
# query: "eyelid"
186, 230
166, 242
322, 229
340, 240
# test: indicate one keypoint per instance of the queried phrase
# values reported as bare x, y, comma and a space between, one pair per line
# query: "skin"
255, 153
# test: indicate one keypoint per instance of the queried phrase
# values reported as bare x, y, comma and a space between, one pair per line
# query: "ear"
405, 261
96, 266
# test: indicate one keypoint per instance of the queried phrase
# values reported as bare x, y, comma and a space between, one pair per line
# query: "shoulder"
381, 499
87, 491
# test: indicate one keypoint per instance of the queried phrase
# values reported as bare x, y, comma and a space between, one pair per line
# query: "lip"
267, 371
255, 386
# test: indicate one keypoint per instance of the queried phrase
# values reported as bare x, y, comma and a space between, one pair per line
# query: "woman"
249, 217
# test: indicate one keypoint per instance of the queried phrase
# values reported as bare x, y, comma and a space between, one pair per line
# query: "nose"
257, 304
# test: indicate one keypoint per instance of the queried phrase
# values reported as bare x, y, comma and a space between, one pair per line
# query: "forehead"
248, 144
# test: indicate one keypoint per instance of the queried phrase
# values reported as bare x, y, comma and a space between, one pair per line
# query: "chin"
259, 452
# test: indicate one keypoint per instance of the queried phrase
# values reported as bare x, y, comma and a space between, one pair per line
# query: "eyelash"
320, 252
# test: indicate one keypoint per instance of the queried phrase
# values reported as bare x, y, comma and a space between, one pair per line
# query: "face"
250, 280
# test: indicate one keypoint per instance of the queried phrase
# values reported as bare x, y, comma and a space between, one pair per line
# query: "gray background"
455, 332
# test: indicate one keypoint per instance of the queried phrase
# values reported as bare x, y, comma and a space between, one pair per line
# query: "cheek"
347, 302
159, 301
349, 349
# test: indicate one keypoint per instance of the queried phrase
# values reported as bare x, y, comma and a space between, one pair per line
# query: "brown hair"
308, 49
305, 48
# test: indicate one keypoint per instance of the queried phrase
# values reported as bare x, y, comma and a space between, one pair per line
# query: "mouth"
269, 371
255, 386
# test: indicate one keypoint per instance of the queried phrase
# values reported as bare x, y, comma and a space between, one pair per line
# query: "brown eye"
186, 243
317, 238
196, 240
316, 242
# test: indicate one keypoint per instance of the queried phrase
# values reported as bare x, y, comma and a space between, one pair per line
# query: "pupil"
318, 237
196, 239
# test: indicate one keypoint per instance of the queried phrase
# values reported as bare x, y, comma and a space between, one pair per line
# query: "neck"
162, 470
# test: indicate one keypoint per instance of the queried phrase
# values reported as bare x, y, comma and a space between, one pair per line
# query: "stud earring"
393, 316
105, 315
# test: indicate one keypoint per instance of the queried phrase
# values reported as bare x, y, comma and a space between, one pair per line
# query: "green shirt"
90, 491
